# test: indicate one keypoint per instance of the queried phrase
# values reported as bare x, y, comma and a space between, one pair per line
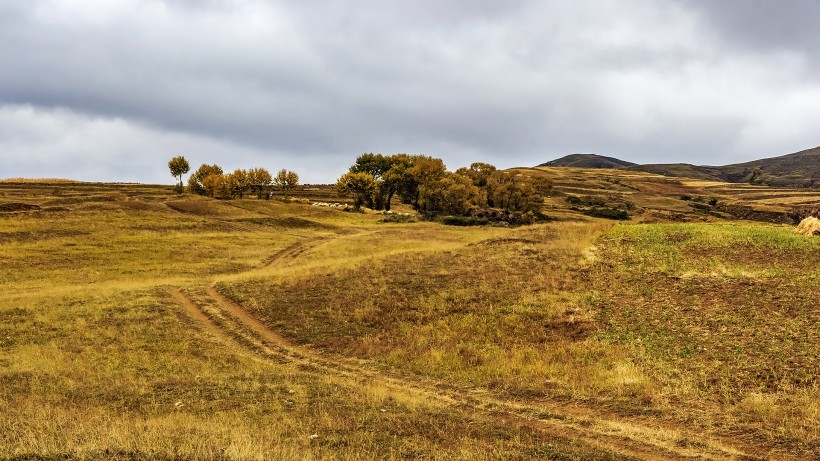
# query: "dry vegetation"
576, 339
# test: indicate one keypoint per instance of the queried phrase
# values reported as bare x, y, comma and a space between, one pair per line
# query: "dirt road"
233, 325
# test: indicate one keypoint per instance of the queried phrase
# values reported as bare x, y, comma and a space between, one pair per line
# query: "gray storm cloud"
109, 90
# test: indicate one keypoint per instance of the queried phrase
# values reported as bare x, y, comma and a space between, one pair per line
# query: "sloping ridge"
682, 170
588, 161
800, 169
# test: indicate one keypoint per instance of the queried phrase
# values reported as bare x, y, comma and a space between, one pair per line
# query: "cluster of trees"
210, 180
424, 182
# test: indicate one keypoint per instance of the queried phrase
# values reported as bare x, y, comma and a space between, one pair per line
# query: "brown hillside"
588, 161
797, 170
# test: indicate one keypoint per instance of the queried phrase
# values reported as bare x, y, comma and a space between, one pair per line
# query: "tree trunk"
389, 199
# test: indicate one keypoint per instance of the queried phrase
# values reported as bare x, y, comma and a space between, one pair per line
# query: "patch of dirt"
288, 222
505, 241
563, 330
80, 199
751, 214
16, 206
293, 251
29, 236
196, 207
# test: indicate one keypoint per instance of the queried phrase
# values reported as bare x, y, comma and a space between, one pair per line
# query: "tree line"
425, 183
211, 181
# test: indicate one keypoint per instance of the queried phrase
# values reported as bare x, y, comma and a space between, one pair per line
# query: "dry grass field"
138, 324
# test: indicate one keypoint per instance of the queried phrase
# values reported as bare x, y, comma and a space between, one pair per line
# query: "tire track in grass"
621, 437
293, 251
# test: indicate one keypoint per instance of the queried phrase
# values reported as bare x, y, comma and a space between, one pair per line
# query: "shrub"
463, 220
398, 218
607, 213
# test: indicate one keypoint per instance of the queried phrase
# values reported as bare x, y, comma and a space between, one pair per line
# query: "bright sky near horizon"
110, 90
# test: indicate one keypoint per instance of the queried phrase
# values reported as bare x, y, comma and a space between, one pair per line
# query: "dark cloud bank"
109, 90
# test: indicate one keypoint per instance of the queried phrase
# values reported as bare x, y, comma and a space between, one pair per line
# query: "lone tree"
179, 166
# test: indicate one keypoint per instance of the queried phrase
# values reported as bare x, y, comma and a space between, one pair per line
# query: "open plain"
136, 323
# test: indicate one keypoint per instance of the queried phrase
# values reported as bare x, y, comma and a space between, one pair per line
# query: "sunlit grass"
97, 361
720, 314
706, 324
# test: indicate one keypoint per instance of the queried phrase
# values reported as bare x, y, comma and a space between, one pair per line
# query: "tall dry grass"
98, 362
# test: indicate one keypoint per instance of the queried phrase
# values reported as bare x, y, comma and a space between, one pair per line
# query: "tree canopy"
178, 166
211, 181
285, 181
359, 186
425, 183
197, 183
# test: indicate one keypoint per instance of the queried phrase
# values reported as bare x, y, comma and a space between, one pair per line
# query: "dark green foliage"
196, 182
398, 218
179, 166
463, 220
425, 183
607, 213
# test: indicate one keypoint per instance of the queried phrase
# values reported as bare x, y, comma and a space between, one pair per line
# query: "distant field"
138, 324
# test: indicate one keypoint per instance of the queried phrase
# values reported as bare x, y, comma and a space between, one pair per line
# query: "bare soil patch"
16, 206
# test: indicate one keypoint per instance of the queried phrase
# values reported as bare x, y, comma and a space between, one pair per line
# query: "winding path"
232, 324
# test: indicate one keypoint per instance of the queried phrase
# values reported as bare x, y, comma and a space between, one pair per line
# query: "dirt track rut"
629, 439
295, 250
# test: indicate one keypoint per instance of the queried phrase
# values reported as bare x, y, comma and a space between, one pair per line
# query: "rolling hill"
588, 161
800, 169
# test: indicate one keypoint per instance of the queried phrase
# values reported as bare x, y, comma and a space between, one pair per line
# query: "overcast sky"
110, 90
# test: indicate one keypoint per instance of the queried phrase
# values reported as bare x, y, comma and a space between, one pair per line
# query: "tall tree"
196, 182
286, 181
452, 194
480, 173
373, 164
516, 192
424, 172
359, 186
239, 183
179, 166
395, 179
259, 180
215, 185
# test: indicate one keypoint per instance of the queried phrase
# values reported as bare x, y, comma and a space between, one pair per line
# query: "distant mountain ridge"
800, 169
589, 161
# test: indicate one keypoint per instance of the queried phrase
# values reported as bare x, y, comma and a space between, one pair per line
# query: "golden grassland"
97, 361
654, 198
688, 337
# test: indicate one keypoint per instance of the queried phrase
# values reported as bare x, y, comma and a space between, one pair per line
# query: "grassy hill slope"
797, 170
138, 324
588, 161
